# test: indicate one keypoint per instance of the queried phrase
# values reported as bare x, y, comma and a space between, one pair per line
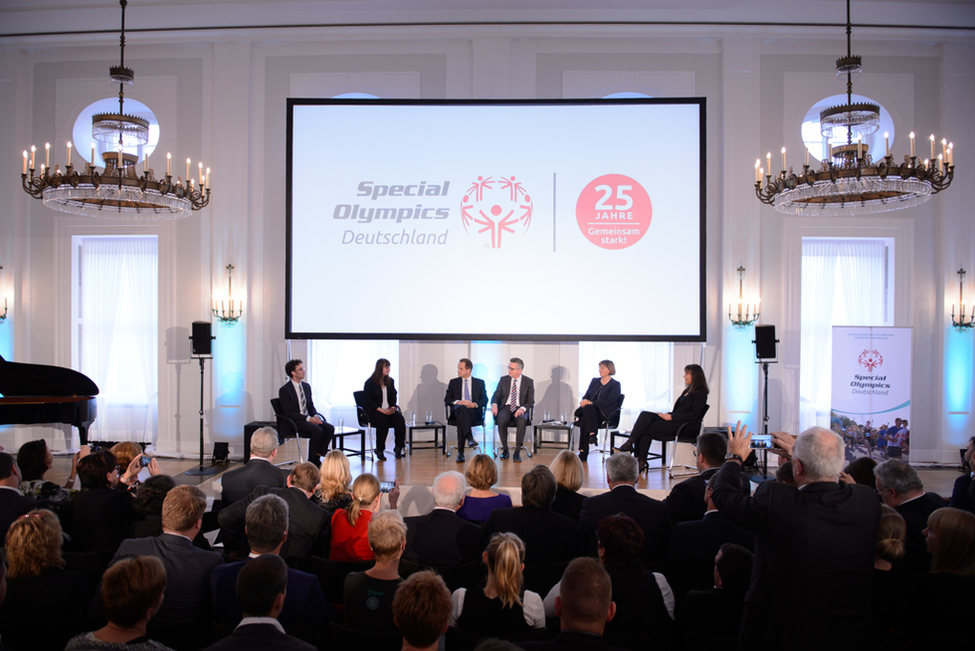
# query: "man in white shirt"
512, 400
296, 403
467, 398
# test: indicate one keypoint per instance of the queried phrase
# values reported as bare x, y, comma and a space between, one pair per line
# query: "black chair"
477, 422
686, 433
542, 578
610, 422
287, 429
528, 432
362, 414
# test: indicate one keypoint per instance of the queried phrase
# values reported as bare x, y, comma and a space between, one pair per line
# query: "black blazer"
689, 407
649, 513
915, 514
289, 401
455, 391
526, 392
442, 538
693, 546
686, 499
549, 537
100, 519
241, 482
13, 505
259, 637
568, 503
309, 526
374, 394
609, 395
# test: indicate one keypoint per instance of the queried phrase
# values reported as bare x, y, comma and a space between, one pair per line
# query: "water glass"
412, 418
429, 416
341, 427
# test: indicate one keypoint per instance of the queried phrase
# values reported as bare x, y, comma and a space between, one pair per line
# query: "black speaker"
765, 341
201, 338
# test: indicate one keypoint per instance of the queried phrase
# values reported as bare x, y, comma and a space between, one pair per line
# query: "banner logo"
870, 360
614, 211
495, 207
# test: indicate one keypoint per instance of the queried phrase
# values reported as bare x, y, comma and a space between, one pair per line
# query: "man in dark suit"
467, 399
686, 500
258, 471
512, 400
710, 619
901, 488
304, 613
622, 472
963, 492
308, 523
261, 587
694, 545
296, 403
13, 503
813, 542
440, 537
549, 537
184, 618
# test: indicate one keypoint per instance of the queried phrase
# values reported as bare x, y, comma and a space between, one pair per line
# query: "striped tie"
513, 401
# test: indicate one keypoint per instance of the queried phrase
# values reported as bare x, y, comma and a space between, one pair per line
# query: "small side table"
437, 428
538, 442
338, 441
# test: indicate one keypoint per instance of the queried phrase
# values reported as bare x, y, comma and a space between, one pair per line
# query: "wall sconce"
962, 321
751, 312
3, 317
224, 310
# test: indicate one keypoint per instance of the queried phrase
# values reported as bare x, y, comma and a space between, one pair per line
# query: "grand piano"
35, 393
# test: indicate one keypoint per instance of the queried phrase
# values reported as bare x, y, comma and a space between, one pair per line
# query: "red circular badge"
614, 211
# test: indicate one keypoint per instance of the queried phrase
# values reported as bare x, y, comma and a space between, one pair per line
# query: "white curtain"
844, 283
645, 372
336, 368
118, 333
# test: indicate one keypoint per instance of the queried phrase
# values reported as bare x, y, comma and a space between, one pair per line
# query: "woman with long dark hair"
651, 426
380, 401
596, 406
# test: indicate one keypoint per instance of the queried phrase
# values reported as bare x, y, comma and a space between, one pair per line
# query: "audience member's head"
305, 476
481, 472
266, 523
449, 489
98, 470
335, 478
568, 471
34, 544
733, 568
783, 474
817, 456
421, 609
496, 644
125, 452
538, 488
890, 535
183, 508
711, 448
261, 585
861, 469
897, 482
132, 590
9, 472
620, 543
151, 494
365, 493
622, 468
505, 559
387, 535
264, 442
585, 601
950, 537
34, 459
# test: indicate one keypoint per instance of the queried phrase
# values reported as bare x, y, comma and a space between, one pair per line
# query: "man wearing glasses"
512, 400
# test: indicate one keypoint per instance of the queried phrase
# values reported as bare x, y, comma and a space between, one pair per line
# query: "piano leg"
83, 434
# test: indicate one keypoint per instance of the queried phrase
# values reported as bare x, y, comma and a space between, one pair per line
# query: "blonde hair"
335, 475
365, 490
34, 544
183, 507
954, 550
125, 452
481, 472
568, 470
890, 534
505, 555
387, 531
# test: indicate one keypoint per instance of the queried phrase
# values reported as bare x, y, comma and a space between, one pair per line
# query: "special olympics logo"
496, 207
871, 359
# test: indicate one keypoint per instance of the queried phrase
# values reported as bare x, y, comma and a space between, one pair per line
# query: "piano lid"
18, 379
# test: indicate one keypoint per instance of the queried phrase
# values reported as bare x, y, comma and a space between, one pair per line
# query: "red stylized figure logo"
496, 207
871, 359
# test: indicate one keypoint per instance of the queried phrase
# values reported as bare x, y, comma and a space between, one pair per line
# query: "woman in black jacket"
380, 401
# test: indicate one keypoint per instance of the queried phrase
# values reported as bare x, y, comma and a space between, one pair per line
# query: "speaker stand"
202, 470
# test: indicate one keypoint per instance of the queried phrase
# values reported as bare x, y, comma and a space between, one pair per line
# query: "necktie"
467, 389
513, 401
301, 401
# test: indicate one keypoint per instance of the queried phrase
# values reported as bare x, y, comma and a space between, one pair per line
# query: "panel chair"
686, 433
286, 430
528, 433
477, 422
363, 417
610, 421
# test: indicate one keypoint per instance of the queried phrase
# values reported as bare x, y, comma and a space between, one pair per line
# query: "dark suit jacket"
308, 523
455, 391
916, 514
693, 546
259, 637
609, 395
13, 505
526, 392
100, 519
710, 618
374, 394
568, 503
187, 602
241, 482
689, 407
649, 513
289, 401
304, 614
686, 499
441, 538
811, 545
549, 537
963, 493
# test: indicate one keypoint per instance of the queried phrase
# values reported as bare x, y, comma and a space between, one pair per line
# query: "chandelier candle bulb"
188, 169
784, 168
25, 162
886, 144
47, 154
33, 150
202, 180
807, 156
932, 146
951, 153
758, 162
768, 162
940, 162
912, 144
93, 155
208, 178
68, 164
169, 160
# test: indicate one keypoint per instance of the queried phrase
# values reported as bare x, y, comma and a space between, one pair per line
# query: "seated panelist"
466, 397
595, 407
512, 400
380, 393
296, 403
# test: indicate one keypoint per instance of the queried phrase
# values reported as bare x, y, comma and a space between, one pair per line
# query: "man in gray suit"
512, 400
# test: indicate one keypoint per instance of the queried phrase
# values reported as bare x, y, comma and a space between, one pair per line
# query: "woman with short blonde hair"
368, 602
481, 474
569, 474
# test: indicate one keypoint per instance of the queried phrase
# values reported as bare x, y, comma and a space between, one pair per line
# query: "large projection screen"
496, 220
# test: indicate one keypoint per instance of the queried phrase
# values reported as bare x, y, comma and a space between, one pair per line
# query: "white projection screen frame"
496, 220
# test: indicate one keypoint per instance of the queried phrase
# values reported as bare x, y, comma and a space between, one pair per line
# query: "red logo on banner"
871, 359
614, 211
493, 207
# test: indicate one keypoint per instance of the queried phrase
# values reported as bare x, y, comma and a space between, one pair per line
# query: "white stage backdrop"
871, 389
487, 220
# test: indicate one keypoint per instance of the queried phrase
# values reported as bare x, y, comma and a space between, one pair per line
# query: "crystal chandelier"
849, 181
117, 190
